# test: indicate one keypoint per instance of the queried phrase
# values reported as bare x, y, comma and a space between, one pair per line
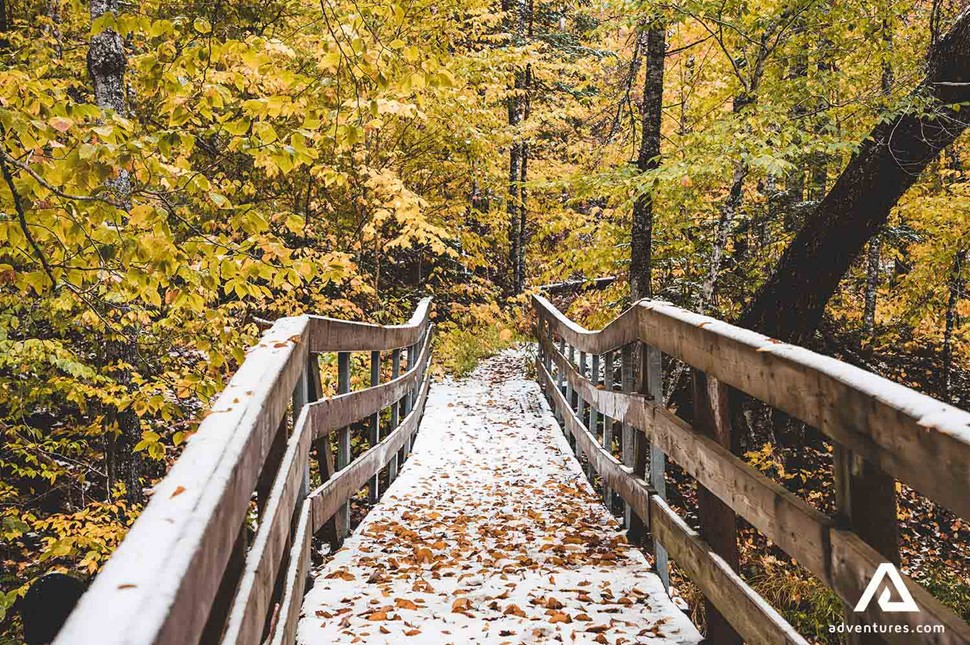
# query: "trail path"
490, 534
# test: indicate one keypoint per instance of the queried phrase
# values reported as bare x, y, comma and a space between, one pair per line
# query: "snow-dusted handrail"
881, 430
189, 570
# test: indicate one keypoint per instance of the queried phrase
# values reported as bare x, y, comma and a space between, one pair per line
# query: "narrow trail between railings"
490, 534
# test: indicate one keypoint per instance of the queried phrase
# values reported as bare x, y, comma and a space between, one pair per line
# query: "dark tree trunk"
512, 203
4, 26
956, 293
790, 304
641, 234
874, 259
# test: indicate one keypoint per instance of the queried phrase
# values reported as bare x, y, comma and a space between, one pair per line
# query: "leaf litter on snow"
490, 534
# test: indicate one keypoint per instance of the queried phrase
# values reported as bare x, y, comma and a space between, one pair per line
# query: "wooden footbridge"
225, 550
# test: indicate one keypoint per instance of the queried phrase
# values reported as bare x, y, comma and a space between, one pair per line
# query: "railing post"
608, 382
580, 402
302, 394
324, 455
594, 378
395, 413
626, 432
571, 397
865, 497
545, 332
375, 422
343, 440
640, 444
658, 460
718, 523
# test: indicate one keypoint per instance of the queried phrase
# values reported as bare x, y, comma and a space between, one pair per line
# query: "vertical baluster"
395, 413
626, 432
303, 393
608, 381
375, 422
343, 440
865, 497
640, 443
594, 379
571, 396
561, 378
546, 329
324, 455
658, 461
718, 523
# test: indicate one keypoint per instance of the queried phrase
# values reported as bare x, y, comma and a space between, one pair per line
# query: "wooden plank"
249, 611
332, 495
332, 335
288, 617
913, 437
159, 584
853, 565
622, 330
749, 613
718, 523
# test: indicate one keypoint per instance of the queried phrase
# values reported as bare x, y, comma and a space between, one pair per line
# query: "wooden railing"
881, 431
221, 552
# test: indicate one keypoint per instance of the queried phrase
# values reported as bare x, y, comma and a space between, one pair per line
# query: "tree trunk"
512, 204
106, 65
790, 304
523, 177
641, 234
4, 25
956, 293
872, 285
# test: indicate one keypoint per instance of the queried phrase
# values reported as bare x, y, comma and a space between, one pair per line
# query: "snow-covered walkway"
490, 534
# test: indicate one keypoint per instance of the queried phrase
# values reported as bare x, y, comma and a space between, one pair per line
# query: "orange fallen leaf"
514, 610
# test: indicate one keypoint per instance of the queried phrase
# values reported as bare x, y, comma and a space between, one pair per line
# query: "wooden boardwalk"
490, 534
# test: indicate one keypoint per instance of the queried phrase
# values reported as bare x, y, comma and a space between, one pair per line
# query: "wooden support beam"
718, 522
866, 501
626, 431
343, 441
593, 422
658, 460
641, 443
375, 423
608, 383
392, 469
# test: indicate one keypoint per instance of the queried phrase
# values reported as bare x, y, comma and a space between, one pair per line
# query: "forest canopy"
175, 173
